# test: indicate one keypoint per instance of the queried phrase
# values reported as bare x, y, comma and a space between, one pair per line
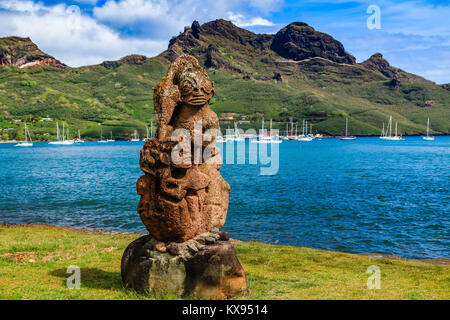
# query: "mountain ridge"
297, 73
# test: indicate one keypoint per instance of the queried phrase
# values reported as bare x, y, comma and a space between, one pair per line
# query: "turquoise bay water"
366, 195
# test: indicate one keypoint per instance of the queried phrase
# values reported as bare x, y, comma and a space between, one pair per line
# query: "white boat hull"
65, 142
24, 144
428, 138
394, 138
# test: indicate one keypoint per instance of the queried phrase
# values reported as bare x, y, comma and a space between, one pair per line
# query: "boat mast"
428, 126
29, 135
270, 126
346, 127
390, 126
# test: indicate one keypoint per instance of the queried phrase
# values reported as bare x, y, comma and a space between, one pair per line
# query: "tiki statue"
182, 199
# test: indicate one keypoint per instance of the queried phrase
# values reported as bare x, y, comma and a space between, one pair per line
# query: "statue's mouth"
198, 100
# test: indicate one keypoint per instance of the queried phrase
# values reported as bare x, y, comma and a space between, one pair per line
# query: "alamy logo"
74, 280
374, 280
374, 20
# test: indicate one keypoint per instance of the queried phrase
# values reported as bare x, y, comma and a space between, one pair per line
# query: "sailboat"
273, 138
136, 137
27, 142
396, 137
291, 135
219, 137
237, 135
78, 140
263, 137
110, 140
304, 136
428, 137
101, 137
61, 138
383, 133
347, 137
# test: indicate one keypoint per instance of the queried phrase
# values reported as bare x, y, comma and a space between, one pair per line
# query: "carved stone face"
196, 89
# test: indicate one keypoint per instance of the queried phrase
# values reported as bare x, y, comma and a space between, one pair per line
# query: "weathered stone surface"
184, 199
180, 200
224, 236
211, 271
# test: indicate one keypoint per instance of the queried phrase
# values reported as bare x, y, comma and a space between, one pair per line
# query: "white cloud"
241, 21
164, 18
75, 40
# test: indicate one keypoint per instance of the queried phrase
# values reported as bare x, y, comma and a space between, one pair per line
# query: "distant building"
47, 119
227, 115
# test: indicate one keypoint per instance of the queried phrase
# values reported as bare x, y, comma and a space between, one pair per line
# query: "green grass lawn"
34, 261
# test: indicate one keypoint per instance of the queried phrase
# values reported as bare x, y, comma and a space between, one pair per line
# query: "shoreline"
84, 230
324, 137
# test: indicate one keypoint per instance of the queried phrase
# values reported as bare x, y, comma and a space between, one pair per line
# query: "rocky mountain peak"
299, 41
379, 64
23, 53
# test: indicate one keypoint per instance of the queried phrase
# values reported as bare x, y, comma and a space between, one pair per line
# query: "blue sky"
414, 35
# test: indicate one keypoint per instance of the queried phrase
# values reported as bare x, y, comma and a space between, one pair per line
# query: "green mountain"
297, 73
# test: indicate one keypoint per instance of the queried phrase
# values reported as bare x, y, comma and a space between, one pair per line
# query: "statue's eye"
186, 87
208, 87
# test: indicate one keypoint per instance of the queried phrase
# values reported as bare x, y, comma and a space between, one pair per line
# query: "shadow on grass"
93, 278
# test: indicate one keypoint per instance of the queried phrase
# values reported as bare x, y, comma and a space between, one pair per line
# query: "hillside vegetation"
284, 76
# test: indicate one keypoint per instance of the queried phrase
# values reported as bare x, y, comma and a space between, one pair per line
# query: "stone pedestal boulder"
204, 267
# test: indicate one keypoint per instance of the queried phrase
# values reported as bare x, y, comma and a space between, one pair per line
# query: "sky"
411, 35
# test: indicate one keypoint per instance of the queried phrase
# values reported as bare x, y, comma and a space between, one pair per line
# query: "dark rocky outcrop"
134, 59
298, 41
23, 53
278, 77
196, 29
110, 64
446, 86
378, 64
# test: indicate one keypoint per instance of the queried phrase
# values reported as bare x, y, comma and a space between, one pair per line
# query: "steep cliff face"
378, 64
23, 53
298, 41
